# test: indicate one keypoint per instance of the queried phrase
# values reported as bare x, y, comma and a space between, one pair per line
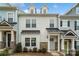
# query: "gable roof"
71, 8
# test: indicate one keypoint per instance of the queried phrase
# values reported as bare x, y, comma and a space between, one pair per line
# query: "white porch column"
62, 45
73, 42
12, 35
73, 48
48, 43
0, 36
1, 43
58, 42
12, 39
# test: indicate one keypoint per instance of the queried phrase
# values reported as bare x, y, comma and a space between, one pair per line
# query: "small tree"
18, 48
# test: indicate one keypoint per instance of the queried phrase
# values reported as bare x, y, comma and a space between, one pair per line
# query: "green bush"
5, 52
43, 50
25, 50
18, 48
30, 50
39, 50
77, 53
34, 49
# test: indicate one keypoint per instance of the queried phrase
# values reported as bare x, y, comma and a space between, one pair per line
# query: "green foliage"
34, 49
25, 50
77, 53
18, 48
43, 50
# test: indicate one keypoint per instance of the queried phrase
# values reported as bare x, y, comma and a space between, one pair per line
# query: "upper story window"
77, 10
28, 23
51, 23
10, 17
65, 23
77, 25
31, 23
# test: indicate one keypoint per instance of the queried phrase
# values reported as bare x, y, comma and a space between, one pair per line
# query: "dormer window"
77, 10
32, 11
44, 11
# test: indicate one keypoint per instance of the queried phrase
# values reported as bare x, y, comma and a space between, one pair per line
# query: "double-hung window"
27, 23
64, 23
77, 25
27, 41
51, 23
10, 17
33, 41
33, 23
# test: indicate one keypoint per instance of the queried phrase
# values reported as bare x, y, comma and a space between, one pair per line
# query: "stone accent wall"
12, 45
44, 45
1, 45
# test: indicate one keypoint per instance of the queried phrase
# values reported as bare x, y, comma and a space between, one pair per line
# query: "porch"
7, 35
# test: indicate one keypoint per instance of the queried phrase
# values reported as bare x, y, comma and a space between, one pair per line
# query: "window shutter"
75, 24
61, 23
68, 23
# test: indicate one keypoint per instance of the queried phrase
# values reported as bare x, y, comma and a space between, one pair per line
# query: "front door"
8, 39
52, 44
66, 47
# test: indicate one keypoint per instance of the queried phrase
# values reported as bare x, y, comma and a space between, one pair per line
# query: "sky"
59, 8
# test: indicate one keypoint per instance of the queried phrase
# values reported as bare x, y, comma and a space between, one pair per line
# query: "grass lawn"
31, 54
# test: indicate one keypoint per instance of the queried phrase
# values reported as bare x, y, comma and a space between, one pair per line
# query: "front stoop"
55, 53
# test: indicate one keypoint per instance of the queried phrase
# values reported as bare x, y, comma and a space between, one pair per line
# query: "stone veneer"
1, 45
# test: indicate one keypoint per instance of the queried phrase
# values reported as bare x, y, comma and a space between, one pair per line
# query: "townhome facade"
41, 30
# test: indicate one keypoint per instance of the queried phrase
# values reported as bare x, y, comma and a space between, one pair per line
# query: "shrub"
5, 52
30, 50
77, 53
18, 48
34, 49
25, 50
39, 50
43, 50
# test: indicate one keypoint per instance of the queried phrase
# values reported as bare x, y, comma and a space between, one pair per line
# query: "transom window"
10, 17
51, 23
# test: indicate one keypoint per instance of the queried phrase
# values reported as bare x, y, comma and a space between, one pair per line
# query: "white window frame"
77, 8
12, 13
51, 23
64, 23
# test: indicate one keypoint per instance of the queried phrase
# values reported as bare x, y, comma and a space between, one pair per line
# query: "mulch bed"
31, 54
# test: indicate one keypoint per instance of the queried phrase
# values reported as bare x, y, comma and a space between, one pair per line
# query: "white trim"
68, 32
70, 9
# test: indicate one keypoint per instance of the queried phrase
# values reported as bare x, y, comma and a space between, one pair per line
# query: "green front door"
65, 47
